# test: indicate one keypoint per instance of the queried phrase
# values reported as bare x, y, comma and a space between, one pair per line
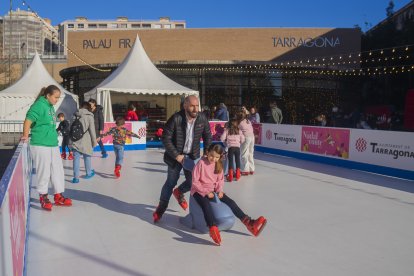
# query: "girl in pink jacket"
208, 179
232, 137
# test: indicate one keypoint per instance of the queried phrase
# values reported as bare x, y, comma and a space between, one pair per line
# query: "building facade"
83, 24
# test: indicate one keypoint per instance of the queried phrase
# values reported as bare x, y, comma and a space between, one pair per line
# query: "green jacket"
43, 128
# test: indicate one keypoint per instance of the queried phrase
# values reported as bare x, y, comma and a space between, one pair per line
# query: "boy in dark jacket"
99, 124
64, 128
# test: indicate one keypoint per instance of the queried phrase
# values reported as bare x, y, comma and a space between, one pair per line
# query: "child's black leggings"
204, 203
234, 154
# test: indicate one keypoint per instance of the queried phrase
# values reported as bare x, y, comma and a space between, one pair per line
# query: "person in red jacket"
131, 115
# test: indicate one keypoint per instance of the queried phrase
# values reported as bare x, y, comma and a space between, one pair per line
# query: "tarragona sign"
317, 42
289, 42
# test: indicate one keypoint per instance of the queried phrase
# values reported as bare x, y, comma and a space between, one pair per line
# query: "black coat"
174, 136
98, 119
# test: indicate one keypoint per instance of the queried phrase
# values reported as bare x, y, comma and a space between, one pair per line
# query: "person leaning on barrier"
41, 122
181, 139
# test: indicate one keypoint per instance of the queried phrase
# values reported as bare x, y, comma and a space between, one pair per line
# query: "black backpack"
76, 130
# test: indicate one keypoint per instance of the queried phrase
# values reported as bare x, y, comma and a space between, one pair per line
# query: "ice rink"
322, 220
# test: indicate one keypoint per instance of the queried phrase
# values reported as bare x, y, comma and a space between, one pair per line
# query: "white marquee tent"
16, 100
137, 75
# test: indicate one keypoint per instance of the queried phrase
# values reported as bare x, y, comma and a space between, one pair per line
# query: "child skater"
119, 134
233, 138
208, 179
64, 128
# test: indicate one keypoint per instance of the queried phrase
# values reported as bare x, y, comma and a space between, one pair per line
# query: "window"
92, 26
146, 26
113, 25
81, 26
179, 26
124, 26
103, 26
157, 26
136, 25
71, 26
167, 26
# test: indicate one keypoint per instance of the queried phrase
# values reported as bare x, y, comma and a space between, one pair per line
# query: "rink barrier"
14, 208
383, 152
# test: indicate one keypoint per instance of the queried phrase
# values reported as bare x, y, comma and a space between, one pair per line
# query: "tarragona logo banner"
326, 141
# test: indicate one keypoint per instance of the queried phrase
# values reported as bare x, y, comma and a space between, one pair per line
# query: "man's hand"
210, 195
220, 194
180, 158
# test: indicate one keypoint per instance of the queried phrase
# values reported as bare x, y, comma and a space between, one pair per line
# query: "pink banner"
108, 139
217, 129
17, 217
326, 141
257, 129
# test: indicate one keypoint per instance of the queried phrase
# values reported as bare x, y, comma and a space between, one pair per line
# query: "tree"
390, 8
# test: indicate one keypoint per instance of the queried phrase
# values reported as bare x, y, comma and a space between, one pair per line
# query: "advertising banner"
333, 142
138, 127
385, 148
284, 137
17, 208
217, 129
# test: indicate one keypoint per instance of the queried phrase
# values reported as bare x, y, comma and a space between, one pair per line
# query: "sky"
220, 13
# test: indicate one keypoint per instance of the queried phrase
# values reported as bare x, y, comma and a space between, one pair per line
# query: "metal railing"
10, 132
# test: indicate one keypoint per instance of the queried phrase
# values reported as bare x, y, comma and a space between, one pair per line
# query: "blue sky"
220, 13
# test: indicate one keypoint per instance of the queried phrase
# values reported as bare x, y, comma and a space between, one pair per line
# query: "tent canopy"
16, 100
135, 75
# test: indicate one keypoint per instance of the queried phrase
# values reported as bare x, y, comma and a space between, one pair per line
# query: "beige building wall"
213, 45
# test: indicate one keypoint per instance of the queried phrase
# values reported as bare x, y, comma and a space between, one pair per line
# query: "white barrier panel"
385, 148
14, 198
132, 143
284, 137
383, 152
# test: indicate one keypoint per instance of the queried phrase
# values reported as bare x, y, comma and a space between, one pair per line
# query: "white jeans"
247, 150
49, 169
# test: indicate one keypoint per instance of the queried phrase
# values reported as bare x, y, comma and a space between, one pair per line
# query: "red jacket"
131, 116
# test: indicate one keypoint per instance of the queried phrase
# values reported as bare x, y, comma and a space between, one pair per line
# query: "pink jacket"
232, 140
205, 180
247, 128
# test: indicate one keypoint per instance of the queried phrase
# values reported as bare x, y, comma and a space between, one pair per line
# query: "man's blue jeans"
173, 175
119, 154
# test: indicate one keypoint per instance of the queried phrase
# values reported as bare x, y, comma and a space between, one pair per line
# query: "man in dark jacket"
99, 124
181, 139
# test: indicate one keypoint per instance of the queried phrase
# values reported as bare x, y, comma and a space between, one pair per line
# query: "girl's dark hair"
242, 116
47, 91
92, 101
233, 127
217, 148
119, 121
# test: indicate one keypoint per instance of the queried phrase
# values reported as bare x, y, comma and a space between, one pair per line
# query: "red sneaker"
70, 157
63, 155
45, 202
117, 171
252, 172
244, 173
238, 174
255, 226
159, 211
215, 234
60, 200
180, 198
230, 175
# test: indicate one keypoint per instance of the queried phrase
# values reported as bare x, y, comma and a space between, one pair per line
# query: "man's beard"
192, 114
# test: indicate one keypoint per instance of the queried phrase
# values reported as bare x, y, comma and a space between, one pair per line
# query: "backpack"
76, 130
